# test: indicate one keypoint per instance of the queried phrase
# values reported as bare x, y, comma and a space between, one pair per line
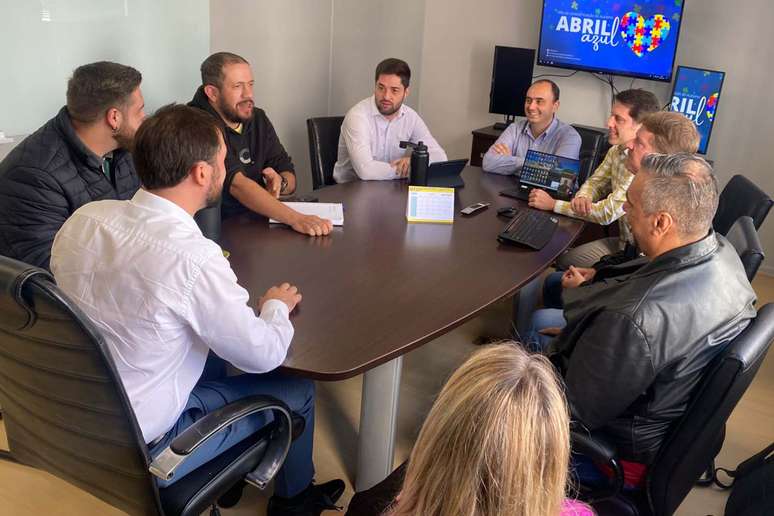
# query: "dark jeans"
210, 394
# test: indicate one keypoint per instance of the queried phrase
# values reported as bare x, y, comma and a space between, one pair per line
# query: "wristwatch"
284, 184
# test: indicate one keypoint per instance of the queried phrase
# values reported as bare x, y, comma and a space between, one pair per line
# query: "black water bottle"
420, 159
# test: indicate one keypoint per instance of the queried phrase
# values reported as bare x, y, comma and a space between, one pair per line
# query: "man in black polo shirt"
77, 157
258, 169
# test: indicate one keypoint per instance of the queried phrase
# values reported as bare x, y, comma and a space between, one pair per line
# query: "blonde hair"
672, 132
496, 441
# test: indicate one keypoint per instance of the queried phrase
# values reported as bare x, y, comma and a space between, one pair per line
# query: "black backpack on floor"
752, 485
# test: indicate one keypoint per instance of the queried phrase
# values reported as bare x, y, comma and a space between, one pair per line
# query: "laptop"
556, 175
446, 174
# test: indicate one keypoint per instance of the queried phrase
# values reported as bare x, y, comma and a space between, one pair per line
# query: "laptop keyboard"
530, 228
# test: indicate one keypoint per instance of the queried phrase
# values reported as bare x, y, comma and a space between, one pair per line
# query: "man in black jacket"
258, 169
77, 157
635, 345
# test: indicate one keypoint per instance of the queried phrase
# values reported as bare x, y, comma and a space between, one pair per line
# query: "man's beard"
391, 111
214, 195
124, 140
231, 115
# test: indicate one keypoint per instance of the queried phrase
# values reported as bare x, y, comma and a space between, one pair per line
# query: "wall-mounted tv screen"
696, 93
636, 38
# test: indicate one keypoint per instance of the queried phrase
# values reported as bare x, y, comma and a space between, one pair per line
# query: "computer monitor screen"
696, 93
620, 37
511, 78
551, 172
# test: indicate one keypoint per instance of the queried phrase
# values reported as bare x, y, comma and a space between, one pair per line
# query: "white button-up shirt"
369, 142
162, 295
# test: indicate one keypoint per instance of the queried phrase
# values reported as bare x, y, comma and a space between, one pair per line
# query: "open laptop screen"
551, 172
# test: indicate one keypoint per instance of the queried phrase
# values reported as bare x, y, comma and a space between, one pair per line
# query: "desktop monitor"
696, 94
619, 37
511, 78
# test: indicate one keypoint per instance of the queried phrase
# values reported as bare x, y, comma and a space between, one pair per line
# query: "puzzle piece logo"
643, 35
712, 105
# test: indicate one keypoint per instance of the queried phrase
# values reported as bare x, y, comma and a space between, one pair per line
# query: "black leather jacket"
635, 345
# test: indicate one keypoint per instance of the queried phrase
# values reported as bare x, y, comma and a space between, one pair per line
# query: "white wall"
287, 43
365, 33
43, 42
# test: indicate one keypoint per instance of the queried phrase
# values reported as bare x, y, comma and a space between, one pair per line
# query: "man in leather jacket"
637, 341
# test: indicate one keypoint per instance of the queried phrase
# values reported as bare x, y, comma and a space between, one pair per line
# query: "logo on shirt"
244, 156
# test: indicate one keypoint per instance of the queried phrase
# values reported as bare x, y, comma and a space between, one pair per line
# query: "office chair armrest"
594, 447
164, 465
601, 451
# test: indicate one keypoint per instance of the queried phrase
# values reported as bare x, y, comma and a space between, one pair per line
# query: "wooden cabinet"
482, 139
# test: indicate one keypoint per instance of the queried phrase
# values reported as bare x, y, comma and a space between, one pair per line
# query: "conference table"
378, 287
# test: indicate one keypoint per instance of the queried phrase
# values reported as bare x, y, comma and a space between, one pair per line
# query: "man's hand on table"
402, 166
541, 200
286, 293
311, 225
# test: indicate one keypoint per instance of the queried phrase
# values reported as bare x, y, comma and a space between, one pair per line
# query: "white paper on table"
333, 211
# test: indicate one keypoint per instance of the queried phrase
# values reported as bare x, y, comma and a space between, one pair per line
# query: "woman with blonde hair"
495, 443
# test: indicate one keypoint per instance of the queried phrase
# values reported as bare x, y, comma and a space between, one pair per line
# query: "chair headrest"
15, 311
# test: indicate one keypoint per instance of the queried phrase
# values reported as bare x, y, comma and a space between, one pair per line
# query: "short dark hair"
641, 103
171, 141
554, 87
212, 67
96, 87
393, 66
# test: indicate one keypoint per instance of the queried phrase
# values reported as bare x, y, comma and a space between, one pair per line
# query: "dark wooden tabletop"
378, 286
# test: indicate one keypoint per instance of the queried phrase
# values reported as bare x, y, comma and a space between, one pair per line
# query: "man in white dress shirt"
374, 127
163, 296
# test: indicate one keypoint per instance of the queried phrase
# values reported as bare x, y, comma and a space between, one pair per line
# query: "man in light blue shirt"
541, 131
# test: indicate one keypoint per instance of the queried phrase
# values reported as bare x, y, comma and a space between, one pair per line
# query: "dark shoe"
231, 497
312, 501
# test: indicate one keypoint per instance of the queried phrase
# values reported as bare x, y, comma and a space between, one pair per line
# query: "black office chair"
592, 142
66, 412
208, 219
744, 238
694, 440
741, 197
323, 148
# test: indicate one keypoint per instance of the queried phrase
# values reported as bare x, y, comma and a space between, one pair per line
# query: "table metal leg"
526, 300
378, 418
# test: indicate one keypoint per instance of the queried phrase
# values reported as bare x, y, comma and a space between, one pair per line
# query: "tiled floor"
751, 427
